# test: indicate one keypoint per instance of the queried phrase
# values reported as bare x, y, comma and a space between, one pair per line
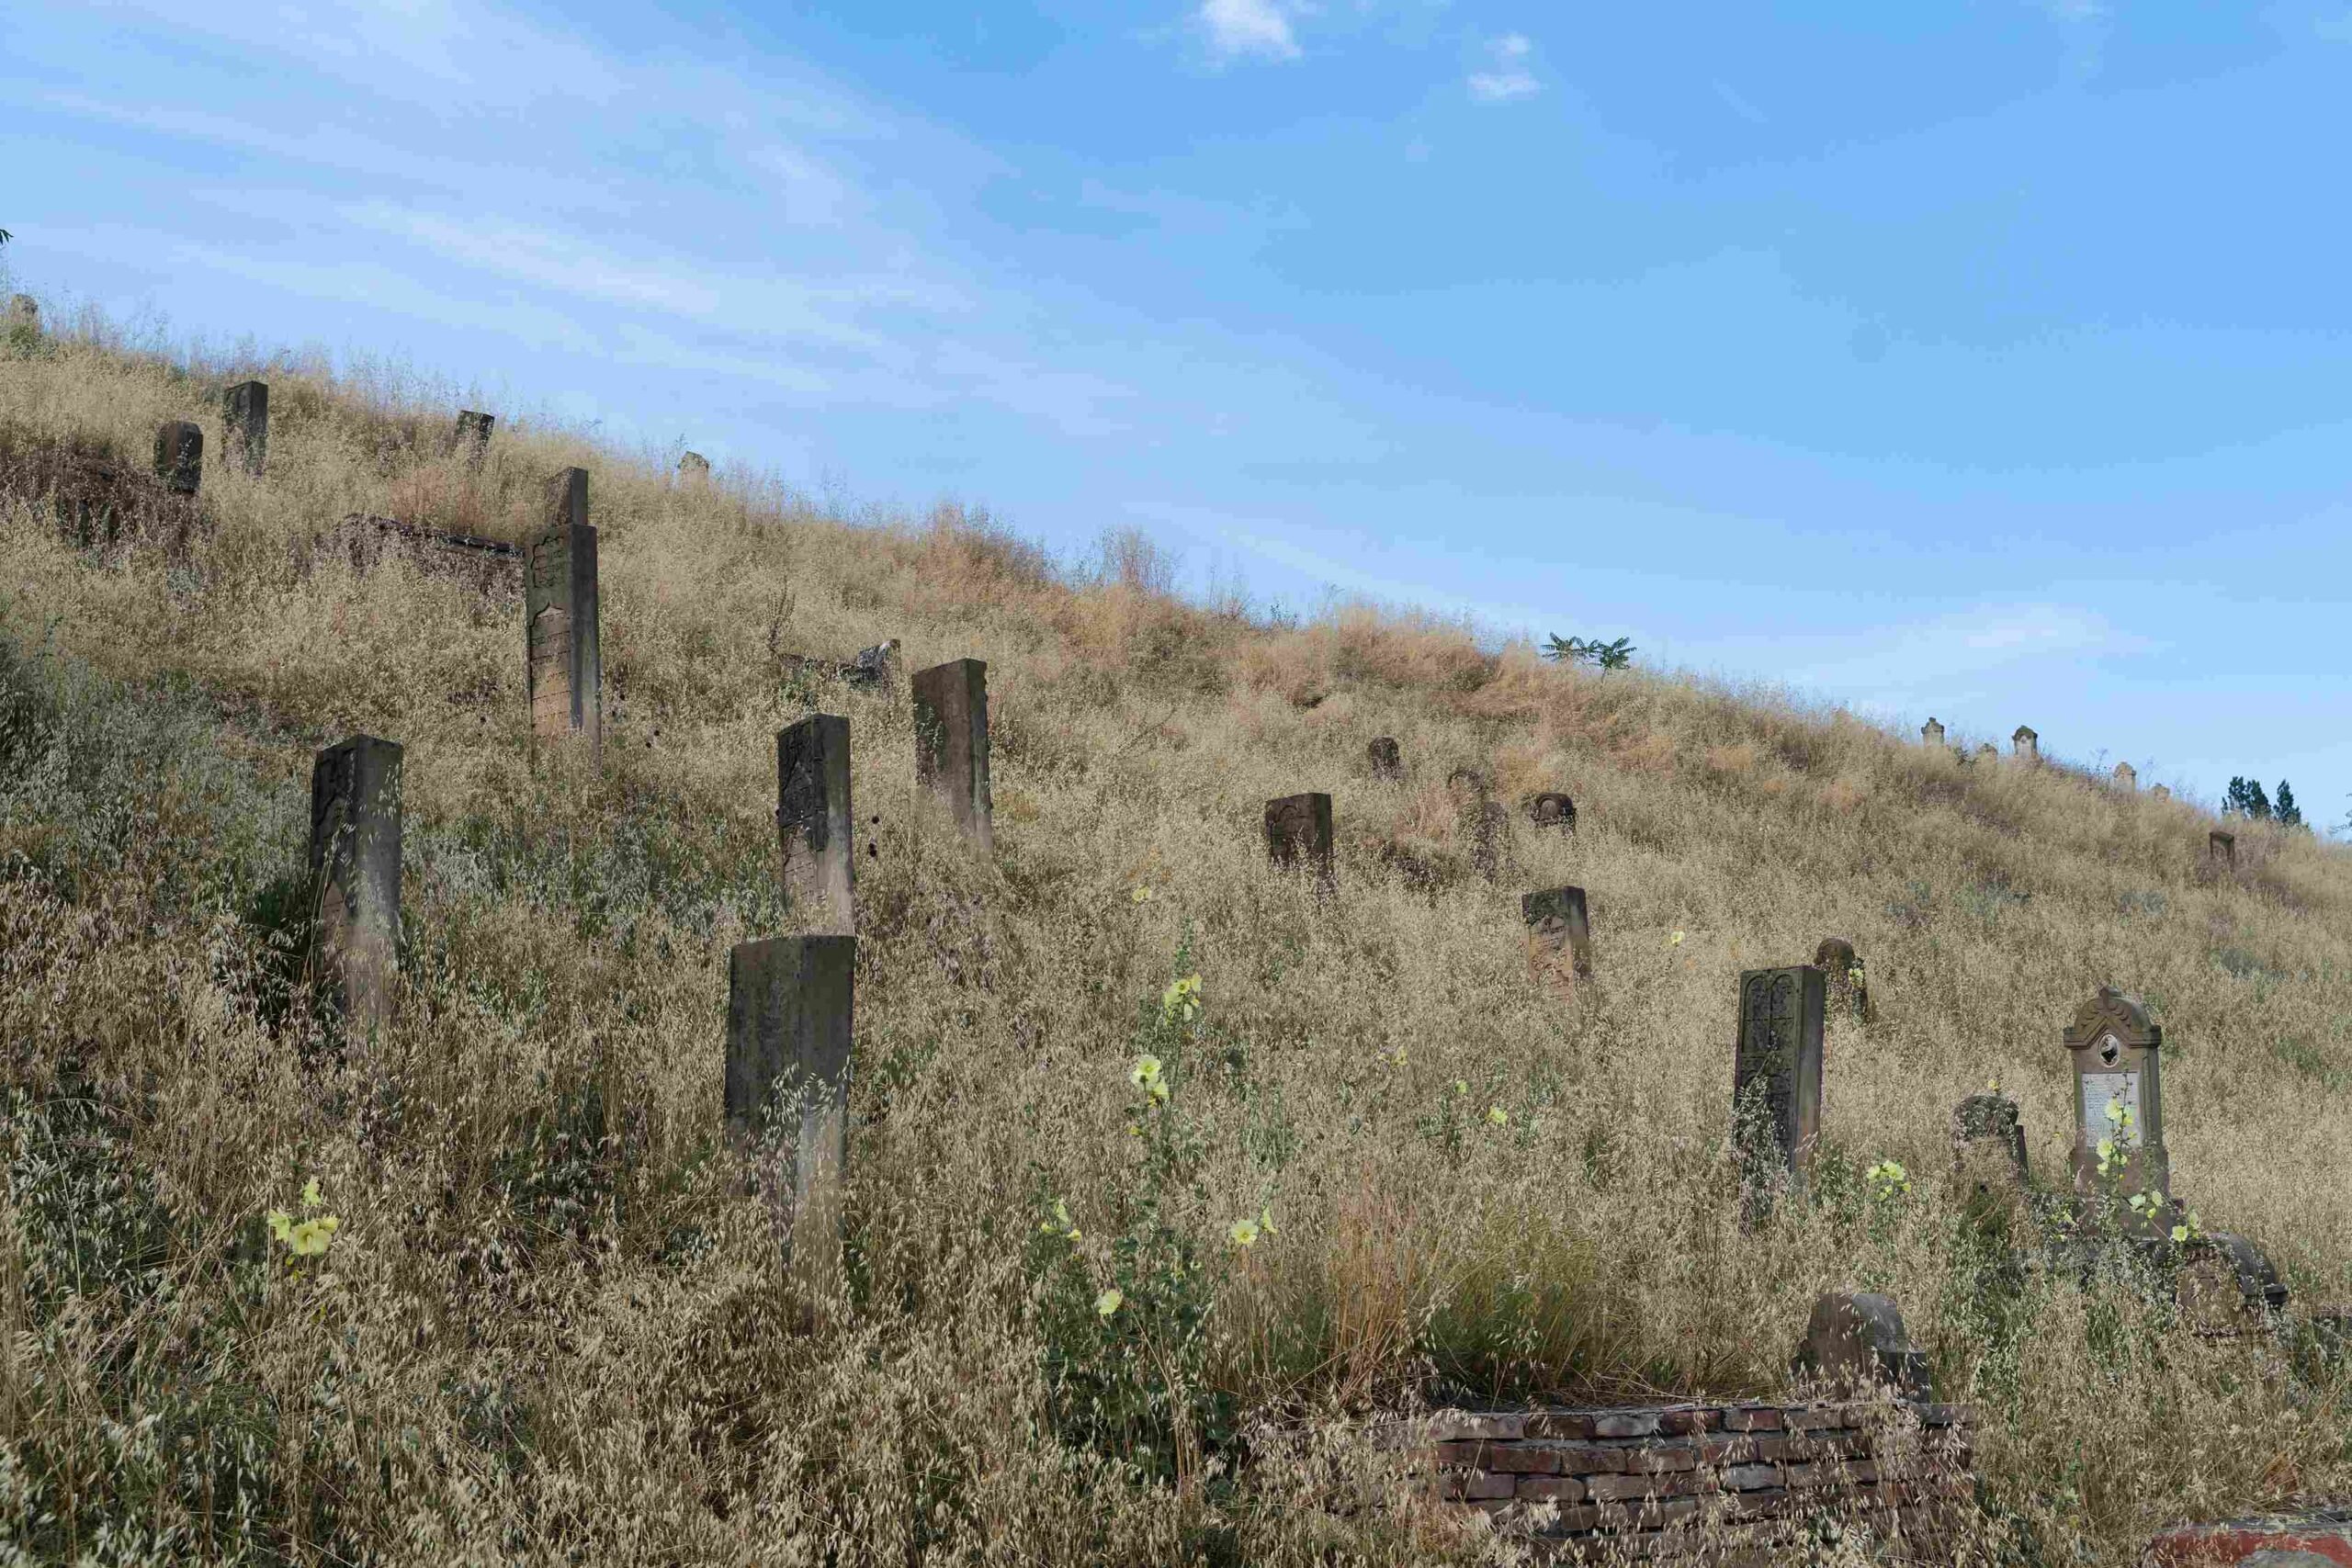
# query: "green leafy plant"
1616, 654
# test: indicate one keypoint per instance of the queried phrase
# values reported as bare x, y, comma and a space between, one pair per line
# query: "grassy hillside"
548, 1327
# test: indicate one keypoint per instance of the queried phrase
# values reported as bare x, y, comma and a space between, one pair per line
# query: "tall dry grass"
549, 1327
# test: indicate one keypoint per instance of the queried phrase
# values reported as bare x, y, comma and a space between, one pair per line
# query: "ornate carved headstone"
2026, 744
1856, 1340
564, 667
2118, 1098
1989, 1151
1849, 991
1552, 809
2222, 849
951, 704
179, 457
1931, 733
2226, 1287
471, 437
813, 820
247, 427
1776, 1078
789, 1002
2126, 778
1559, 938
693, 468
354, 862
1387, 761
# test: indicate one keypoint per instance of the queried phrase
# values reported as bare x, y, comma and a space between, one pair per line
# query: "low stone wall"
1722, 1483
2316, 1538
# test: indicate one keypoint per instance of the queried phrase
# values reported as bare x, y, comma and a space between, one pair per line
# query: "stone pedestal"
564, 667
354, 862
814, 823
951, 709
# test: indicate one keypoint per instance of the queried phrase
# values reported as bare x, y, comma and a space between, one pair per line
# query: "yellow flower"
1244, 1233
2106, 1149
1991, 1086
1181, 999
1108, 1301
311, 1238
1139, 894
1398, 1059
1674, 941
1266, 1221
1146, 1072
1461, 1086
1496, 1116
280, 1222
2180, 1233
310, 1199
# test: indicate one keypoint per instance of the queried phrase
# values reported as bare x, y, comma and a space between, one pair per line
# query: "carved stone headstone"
23, 320
1387, 761
354, 864
2226, 1287
813, 820
2118, 1099
2126, 778
246, 422
564, 667
1987, 752
1776, 1076
2161, 792
694, 468
1856, 1340
1552, 809
2222, 849
1298, 833
789, 1004
1989, 1151
1931, 733
2026, 744
873, 666
179, 457
471, 437
1559, 938
951, 704
1849, 991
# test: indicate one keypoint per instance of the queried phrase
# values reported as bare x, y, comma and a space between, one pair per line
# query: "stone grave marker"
2161, 792
179, 456
564, 667
355, 864
1849, 991
813, 821
1987, 752
2226, 1287
2119, 1099
789, 1002
1988, 1151
247, 427
873, 666
1559, 938
473, 435
24, 321
1480, 824
1552, 809
1776, 1076
952, 744
1298, 832
1856, 1340
2126, 778
2026, 744
694, 468
1931, 733
2222, 849
1387, 759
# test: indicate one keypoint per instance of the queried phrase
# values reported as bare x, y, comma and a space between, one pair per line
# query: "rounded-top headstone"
2116, 1053
1848, 991
1932, 733
2127, 777
1552, 809
693, 466
1857, 1337
1387, 758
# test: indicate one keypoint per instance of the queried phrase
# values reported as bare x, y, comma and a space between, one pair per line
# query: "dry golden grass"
551, 1328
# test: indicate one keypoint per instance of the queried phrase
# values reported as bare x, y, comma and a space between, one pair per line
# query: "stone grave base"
1721, 1483
2316, 1538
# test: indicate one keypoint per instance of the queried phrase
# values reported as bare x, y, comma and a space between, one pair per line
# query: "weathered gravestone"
1775, 1076
247, 427
2161, 792
873, 666
1931, 733
179, 457
1552, 809
1387, 758
951, 704
2126, 778
1849, 991
2222, 849
1480, 824
1559, 938
1298, 833
1987, 752
24, 321
2119, 1105
1855, 1341
2026, 744
813, 820
694, 468
2226, 1287
564, 667
790, 1003
1988, 1153
355, 864
471, 437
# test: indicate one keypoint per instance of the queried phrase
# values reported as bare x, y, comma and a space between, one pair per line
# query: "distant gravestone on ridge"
355, 866
790, 1018
2161, 792
247, 427
1775, 1076
24, 321
1552, 809
564, 667
814, 823
2126, 778
179, 457
1479, 823
1387, 759
2117, 1059
471, 438
1298, 834
1931, 733
1988, 752
1989, 1151
2222, 849
1849, 991
694, 468
951, 705
1559, 938
2026, 744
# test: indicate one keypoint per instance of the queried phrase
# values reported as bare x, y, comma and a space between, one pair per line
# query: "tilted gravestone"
179, 457
564, 669
2119, 1101
694, 468
1931, 733
1849, 991
1989, 1151
1559, 938
2126, 778
1298, 833
1552, 809
471, 437
2226, 1287
2026, 744
951, 704
1855, 1341
355, 864
1387, 758
789, 1004
247, 427
813, 821
1776, 1076
2222, 849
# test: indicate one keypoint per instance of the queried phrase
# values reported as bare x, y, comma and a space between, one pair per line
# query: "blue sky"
1990, 360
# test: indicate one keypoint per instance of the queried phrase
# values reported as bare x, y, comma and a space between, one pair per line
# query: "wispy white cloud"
1506, 75
1241, 27
1738, 105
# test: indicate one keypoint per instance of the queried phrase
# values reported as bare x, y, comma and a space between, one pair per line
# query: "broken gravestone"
1988, 1153
1559, 938
1552, 809
1849, 992
2226, 1287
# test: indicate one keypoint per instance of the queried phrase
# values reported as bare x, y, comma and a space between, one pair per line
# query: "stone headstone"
2161, 792
564, 672
1856, 1340
951, 704
473, 435
1989, 1151
24, 321
2226, 1287
1298, 833
1387, 759
1931, 733
1849, 992
812, 818
2118, 1060
2026, 744
2222, 849
1480, 824
1776, 1076
694, 468
790, 1003
1552, 809
1987, 752
2126, 778
355, 866
1559, 938
247, 427
179, 457
873, 666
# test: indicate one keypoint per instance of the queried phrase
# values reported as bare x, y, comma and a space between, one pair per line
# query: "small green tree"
1616, 654
2288, 813
2245, 799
